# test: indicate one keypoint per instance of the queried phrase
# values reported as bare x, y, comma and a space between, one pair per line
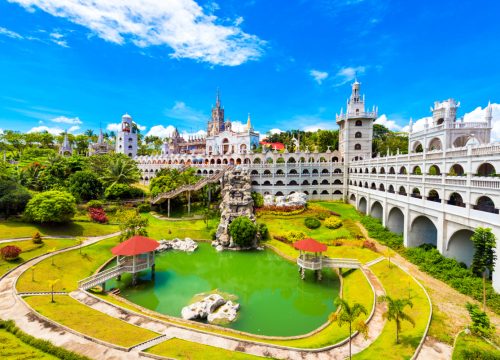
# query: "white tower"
65, 149
126, 139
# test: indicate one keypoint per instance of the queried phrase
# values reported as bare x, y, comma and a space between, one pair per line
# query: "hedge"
312, 223
428, 259
42, 345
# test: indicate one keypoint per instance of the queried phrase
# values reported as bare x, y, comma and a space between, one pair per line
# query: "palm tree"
347, 315
89, 133
52, 283
396, 311
121, 170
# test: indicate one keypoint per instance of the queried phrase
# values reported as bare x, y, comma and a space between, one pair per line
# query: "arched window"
486, 169
358, 135
434, 170
357, 147
484, 203
391, 170
433, 196
391, 189
417, 170
402, 190
416, 193
403, 171
456, 200
359, 123
456, 170
381, 187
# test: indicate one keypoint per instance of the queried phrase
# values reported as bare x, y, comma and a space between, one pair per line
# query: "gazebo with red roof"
135, 255
310, 256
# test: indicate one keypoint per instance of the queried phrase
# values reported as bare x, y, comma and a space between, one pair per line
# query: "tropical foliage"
51, 207
348, 314
243, 231
396, 312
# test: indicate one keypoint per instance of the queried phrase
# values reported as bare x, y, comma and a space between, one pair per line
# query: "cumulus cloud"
10, 33
161, 131
73, 128
348, 73
478, 114
118, 127
318, 76
66, 120
184, 26
275, 131
52, 130
390, 124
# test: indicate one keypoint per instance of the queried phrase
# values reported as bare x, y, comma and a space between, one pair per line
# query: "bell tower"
126, 139
216, 124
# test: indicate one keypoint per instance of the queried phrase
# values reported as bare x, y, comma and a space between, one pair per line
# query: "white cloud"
238, 21
52, 130
238, 126
161, 131
275, 131
478, 114
73, 128
58, 39
390, 124
10, 33
184, 26
118, 127
318, 76
181, 111
348, 73
186, 134
66, 120
418, 125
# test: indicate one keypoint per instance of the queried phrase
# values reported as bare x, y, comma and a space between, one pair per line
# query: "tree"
480, 322
10, 252
13, 197
52, 283
396, 311
51, 207
123, 191
132, 224
37, 238
484, 255
243, 231
121, 170
258, 199
348, 315
85, 185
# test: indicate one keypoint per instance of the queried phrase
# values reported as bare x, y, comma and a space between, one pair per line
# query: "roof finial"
249, 124
217, 101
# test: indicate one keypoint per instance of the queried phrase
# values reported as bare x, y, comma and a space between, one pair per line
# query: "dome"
472, 142
126, 116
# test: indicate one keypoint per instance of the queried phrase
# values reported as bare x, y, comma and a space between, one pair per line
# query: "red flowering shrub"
10, 252
98, 215
369, 245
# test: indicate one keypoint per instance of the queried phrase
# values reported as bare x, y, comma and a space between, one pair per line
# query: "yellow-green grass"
364, 255
473, 344
68, 267
355, 289
69, 312
12, 348
31, 250
12, 229
182, 349
346, 211
163, 229
399, 284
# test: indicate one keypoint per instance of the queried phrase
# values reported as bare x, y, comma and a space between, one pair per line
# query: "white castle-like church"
438, 193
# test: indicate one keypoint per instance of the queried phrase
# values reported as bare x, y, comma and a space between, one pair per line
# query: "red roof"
135, 245
273, 145
310, 245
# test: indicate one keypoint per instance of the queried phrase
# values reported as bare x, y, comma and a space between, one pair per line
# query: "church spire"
217, 99
249, 124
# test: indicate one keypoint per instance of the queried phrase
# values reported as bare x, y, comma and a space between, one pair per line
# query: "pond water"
274, 300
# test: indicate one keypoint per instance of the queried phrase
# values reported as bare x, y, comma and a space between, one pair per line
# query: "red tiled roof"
135, 245
310, 245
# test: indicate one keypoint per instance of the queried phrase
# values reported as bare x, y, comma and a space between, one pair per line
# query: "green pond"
274, 300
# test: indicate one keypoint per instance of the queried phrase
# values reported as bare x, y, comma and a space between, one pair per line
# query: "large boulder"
295, 199
224, 314
201, 309
187, 245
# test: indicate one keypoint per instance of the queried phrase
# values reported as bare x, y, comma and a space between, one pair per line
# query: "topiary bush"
96, 204
10, 252
243, 231
98, 215
293, 235
263, 231
312, 223
333, 222
51, 207
37, 238
258, 199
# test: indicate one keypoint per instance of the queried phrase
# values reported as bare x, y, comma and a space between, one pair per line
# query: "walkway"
11, 307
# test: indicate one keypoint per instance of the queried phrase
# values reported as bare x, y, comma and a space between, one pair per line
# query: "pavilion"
310, 256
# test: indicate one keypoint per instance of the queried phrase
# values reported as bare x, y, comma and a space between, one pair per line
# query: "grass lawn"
398, 284
71, 313
473, 345
12, 348
31, 250
351, 252
11, 229
69, 267
182, 349
164, 229
346, 211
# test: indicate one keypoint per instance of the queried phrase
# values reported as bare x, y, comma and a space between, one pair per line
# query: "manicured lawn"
398, 284
11, 348
182, 349
345, 251
69, 267
473, 345
71, 313
31, 250
11, 229
164, 229
346, 211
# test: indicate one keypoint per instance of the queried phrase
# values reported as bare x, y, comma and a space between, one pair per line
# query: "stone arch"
305, 182
391, 189
325, 171
373, 186
486, 169
460, 246
456, 170
269, 160
293, 182
484, 203
335, 159
461, 141
267, 172
433, 196
416, 170
382, 170
416, 193
434, 170
311, 160
352, 198
255, 183
374, 170
417, 147
359, 123
357, 147
291, 160
254, 172
366, 171
322, 159
305, 171
280, 160
315, 171
362, 206
396, 220
337, 182
279, 193
324, 192
337, 171
377, 211
391, 170
435, 144
256, 161
279, 172
456, 200
403, 171
337, 192
358, 135
325, 182
279, 183
293, 171
315, 192
422, 231
267, 183
366, 184
381, 187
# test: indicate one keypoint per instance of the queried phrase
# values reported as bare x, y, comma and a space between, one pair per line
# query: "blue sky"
68, 64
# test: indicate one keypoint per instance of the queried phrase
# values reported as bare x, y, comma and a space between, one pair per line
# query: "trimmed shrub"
85, 185
353, 229
96, 204
243, 231
98, 215
10, 252
258, 199
123, 191
312, 223
37, 238
293, 235
144, 208
51, 207
333, 222
281, 210
263, 231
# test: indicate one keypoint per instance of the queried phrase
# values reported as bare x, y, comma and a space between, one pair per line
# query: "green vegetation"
69, 267
17, 345
243, 231
258, 199
312, 223
480, 322
396, 312
182, 349
333, 222
30, 250
169, 179
132, 224
471, 347
69, 312
399, 284
123, 191
12, 229
13, 197
484, 255
164, 229
85, 185
382, 234
51, 207
349, 314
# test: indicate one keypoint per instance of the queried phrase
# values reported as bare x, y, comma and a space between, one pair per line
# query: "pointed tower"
126, 139
65, 149
216, 124
249, 123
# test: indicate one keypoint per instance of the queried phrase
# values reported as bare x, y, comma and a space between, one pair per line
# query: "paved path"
31, 238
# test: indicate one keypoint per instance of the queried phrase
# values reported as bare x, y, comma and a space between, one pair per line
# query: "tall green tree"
347, 315
51, 207
396, 311
132, 224
484, 257
85, 185
120, 169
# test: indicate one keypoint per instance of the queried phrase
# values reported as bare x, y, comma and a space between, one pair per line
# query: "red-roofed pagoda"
310, 256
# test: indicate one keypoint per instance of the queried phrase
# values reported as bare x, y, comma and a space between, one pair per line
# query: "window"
358, 135
359, 123
357, 147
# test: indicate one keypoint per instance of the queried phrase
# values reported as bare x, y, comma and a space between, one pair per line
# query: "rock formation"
237, 201
214, 308
295, 199
188, 245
